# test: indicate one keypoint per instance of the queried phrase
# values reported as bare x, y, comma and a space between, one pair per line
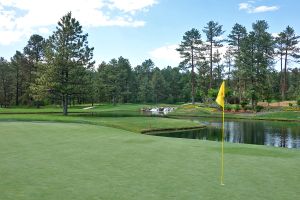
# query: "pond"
278, 134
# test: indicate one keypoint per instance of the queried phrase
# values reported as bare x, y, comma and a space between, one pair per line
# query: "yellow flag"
221, 95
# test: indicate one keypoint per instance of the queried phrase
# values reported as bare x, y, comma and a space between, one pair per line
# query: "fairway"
41, 160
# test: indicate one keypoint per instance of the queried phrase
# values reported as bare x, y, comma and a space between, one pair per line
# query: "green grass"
79, 161
98, 109
283, 115
197, 111
134, 124
134, 110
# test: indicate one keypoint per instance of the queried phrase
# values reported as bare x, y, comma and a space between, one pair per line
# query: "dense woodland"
61, 70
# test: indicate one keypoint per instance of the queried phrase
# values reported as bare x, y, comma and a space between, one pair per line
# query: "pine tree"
235, 38
68, 58
158, 84
34, 52
6, 83
290, 51
213, 31
190, 50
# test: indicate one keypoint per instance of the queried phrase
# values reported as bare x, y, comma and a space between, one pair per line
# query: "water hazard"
278, 134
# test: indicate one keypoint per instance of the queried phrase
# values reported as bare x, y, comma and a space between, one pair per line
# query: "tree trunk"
193, 78
65, 104
114, 100
211, 63
284, 85
281, 76
17, 90
239, 88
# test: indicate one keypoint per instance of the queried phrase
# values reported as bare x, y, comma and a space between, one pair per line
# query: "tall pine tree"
68, 58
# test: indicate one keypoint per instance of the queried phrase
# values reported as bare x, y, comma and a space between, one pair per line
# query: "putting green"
79, 161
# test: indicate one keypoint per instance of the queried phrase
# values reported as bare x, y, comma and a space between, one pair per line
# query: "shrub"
38, 104
258, 108
213, 93
298, 101
243, 104
233, 100
290, 104
228, 107
237, 107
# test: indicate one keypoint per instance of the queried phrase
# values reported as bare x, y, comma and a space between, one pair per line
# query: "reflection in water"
278, 134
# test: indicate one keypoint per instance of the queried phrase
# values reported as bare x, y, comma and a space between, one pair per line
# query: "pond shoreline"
231, 117
162, 130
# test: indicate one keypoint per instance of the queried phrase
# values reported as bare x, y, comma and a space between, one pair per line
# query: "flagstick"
222, 156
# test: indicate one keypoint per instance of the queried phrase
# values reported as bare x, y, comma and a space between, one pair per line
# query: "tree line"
61, 70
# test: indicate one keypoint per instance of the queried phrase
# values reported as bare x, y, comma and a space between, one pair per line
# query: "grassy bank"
197, 111
79, 161
134, 124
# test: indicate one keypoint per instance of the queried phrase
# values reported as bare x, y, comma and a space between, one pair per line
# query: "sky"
137, 29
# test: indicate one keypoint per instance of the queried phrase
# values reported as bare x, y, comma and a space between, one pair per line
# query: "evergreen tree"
172, 77
34, 52
255, 61
68, 58
6, 83
21, 68
158, 84
190, 50
143, 75
218, 71
213, 31
237, 34
290, 51
235, 38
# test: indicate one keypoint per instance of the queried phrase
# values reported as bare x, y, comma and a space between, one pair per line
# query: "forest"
60, 69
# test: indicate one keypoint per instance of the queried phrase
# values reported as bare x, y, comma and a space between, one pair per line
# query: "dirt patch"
277, 104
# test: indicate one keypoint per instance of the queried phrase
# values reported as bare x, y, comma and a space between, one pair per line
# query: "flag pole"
222, 154
220, 101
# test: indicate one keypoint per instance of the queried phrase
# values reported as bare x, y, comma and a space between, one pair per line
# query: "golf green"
69, 161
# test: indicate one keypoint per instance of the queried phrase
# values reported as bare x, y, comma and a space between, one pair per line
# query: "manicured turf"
135, 124
79, 161
101, 109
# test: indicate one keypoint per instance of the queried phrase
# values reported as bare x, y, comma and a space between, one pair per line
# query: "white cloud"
132, 5
44, 30
166, 55
265, 9
19, 18
275, 34
250, 8
244, 6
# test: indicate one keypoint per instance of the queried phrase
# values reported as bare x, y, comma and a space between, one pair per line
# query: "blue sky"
137, 29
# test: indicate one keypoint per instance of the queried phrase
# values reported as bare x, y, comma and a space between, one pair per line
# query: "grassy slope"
79, 161
207, 112
135, 124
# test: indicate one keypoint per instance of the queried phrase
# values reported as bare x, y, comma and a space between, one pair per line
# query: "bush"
237, 107
298, 101
258, 108
243, 104
233, 100
228, 107
290, 104
38, 104
213, 93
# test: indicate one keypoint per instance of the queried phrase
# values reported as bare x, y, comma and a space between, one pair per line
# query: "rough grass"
79, 161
